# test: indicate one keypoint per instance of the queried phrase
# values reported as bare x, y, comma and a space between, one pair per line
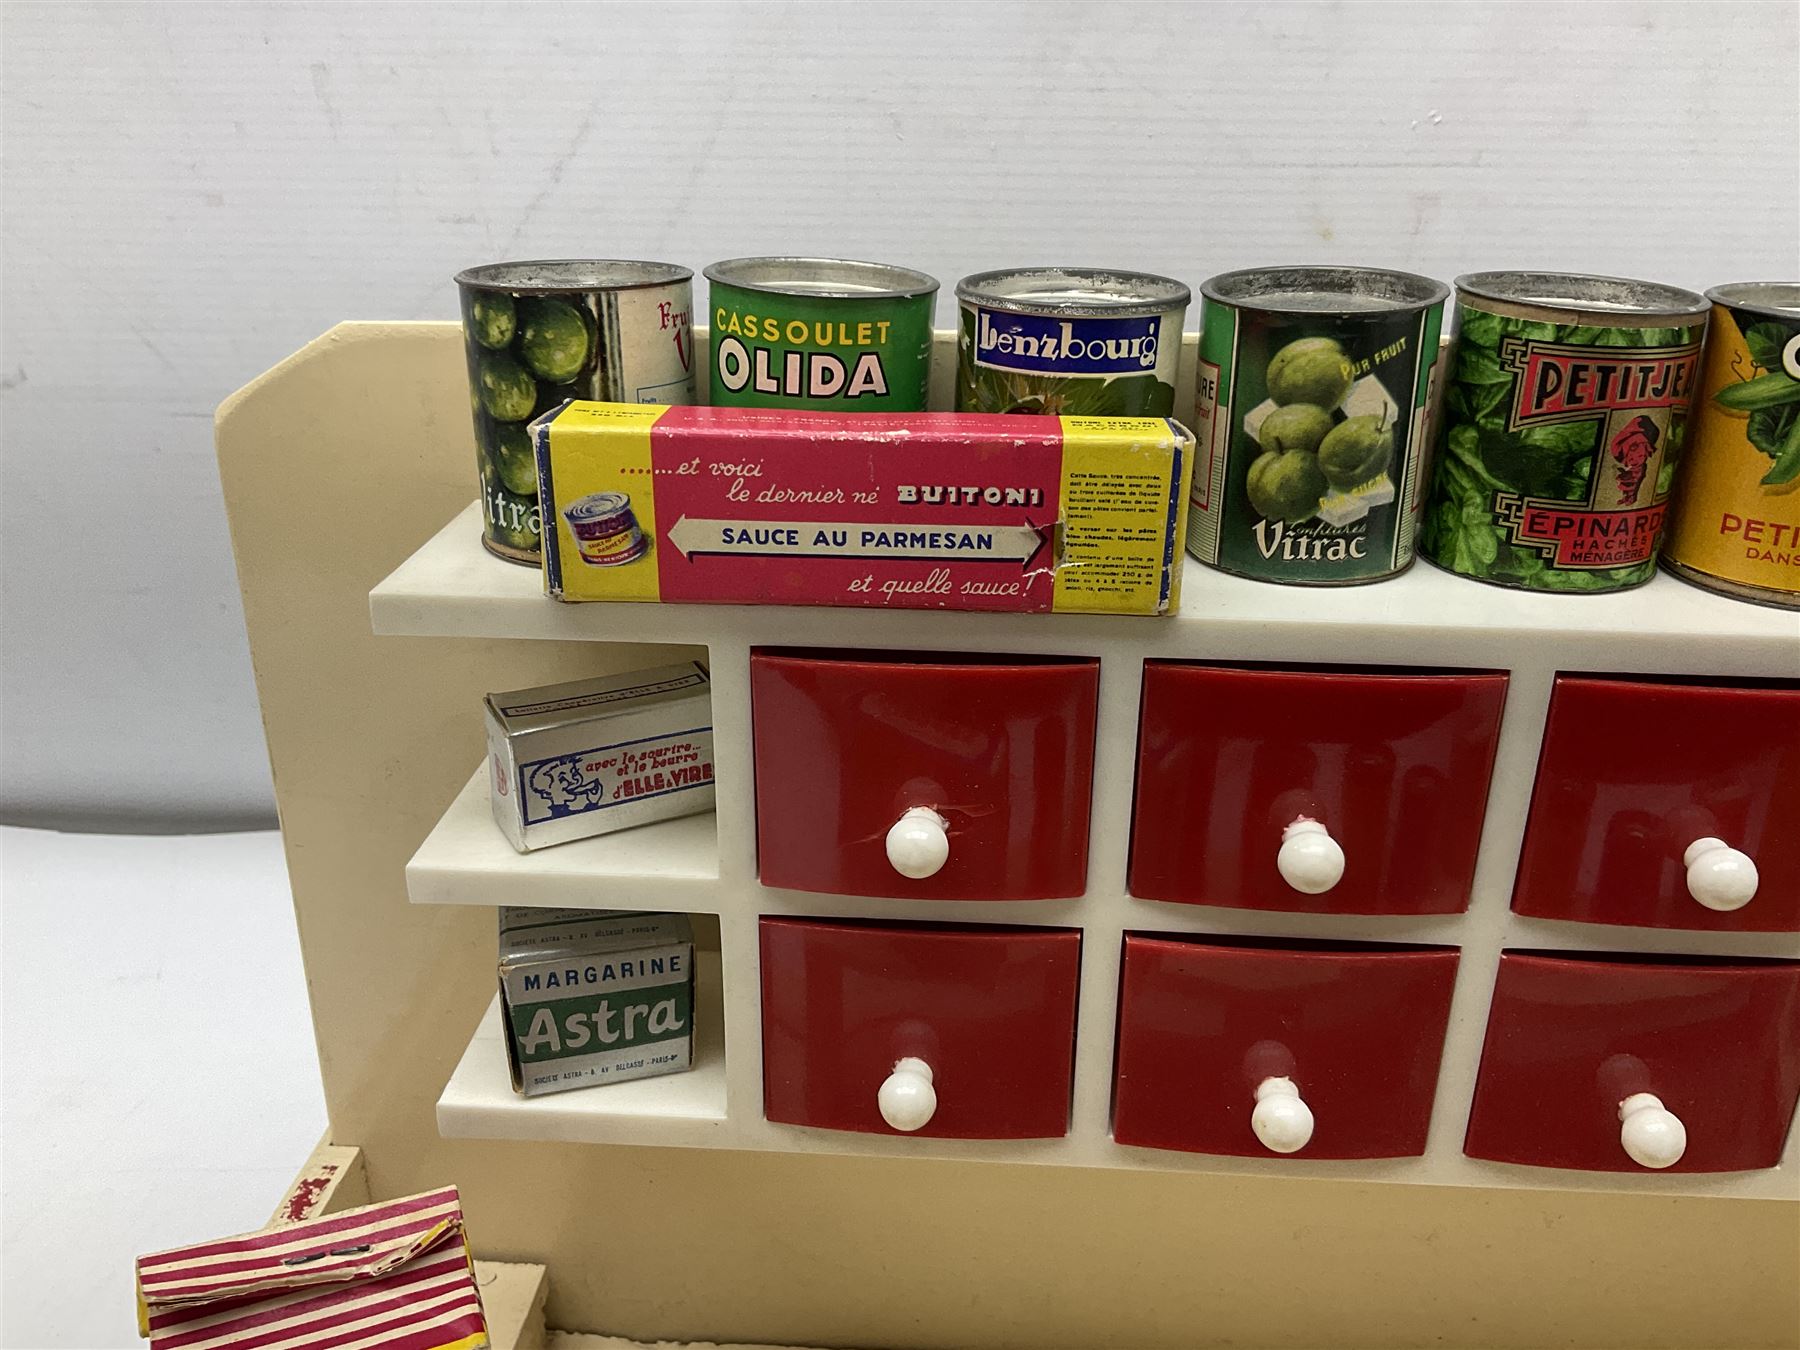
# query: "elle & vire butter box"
592, 756
594, 996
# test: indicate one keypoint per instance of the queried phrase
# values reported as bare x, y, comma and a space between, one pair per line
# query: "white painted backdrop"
194, 190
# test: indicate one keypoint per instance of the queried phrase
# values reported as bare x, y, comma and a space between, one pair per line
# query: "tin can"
1313, 397
1075, 341
539, 333
1736, 526
821, 333
606, 532
1563, 425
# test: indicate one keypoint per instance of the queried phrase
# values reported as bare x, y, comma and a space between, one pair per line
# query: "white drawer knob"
918, 844
907, 1099
1281, 1120
1718, 876
1310, 860
1652, 1135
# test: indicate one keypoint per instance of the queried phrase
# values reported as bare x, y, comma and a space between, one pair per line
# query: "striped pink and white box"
397, 1275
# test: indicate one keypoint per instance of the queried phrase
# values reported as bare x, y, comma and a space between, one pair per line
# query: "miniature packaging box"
595, 996
592, 756
398, 1273
972, 511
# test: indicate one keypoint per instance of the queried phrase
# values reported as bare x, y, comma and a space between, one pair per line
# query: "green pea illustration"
507, 390
491, 320
553, 340
510, 449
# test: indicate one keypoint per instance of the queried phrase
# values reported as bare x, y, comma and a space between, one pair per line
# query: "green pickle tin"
1736, 524
1069, 341
823, 333
1313, 397
1564, 420
539, 333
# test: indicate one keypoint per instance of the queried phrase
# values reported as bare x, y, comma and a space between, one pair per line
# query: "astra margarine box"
568, 761
900, 510
595, 996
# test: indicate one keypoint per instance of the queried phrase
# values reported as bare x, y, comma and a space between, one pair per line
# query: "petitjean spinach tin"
1075, 341
1563, 424
1314, 390
540, 333
1736, 527
822, 333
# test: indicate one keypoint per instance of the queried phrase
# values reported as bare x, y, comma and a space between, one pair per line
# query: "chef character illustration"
562, 783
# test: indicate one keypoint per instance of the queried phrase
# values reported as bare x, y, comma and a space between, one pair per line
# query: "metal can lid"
1777, 299
1570, 297
1078, 292
564, 276
831, 278
598, 506
1324, 290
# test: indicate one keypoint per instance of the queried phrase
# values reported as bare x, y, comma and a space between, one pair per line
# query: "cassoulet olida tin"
820, 333
1564, 422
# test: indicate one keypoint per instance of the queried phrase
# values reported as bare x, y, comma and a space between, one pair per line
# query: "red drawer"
1356, 1032
1393, 768
992, 759
851, 1011
1634, 772
1571, 1040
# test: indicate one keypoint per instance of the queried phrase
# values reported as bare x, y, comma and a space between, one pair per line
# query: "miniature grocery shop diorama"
1559, 409
1539, 446
1536, 447
1015, 834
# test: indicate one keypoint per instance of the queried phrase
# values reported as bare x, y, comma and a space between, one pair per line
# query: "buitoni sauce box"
970, 511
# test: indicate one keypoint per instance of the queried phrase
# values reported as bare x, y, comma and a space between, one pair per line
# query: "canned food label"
527, 354
1067, 366
1044, 345
799, 351
594, 996
1738, 517
1558, 451
1310, 434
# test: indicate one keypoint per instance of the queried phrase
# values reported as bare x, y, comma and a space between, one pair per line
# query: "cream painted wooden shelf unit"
341, 467
452, 588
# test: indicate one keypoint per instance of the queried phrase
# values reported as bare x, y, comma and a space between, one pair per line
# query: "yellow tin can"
1737, 522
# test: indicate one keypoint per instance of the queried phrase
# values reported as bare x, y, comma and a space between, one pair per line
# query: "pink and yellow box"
971, 511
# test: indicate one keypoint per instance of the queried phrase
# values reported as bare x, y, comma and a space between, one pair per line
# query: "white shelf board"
673, 1109
465, 860
452, 587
